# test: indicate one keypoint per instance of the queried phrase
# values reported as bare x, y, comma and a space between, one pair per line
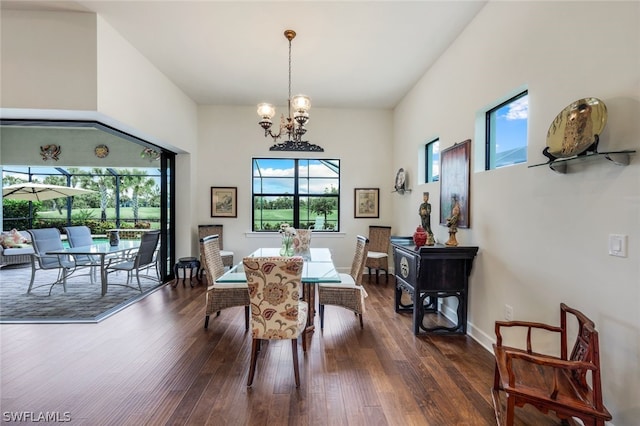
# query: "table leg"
308, 295
103, 275
175, 273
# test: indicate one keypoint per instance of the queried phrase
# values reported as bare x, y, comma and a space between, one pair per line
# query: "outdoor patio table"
102, 251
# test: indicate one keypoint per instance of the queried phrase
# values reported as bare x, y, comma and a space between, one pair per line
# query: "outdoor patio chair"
79, 236
45, 240
349, 292
137, 262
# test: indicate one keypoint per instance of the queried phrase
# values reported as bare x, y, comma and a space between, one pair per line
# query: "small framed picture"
224, 201
366, 202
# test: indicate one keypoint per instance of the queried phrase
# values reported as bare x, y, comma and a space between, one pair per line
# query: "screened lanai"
131, 179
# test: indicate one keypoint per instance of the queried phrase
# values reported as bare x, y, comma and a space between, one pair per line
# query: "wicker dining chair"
205, 231
349, 292
378, 257
277, 313
220, 296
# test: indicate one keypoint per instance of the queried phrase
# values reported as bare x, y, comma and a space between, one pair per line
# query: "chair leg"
255, 344
361, 323
304, 341
321, 317
64, 279
138, 278
296, 372
206, 321
496, 378
246, 318
511, 407
33, 277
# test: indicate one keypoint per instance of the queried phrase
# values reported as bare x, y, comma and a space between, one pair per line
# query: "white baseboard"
475, 333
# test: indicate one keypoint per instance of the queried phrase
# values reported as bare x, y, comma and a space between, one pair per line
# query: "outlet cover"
618, 245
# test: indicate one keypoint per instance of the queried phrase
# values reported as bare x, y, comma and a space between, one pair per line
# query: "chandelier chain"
289, 99
293, 125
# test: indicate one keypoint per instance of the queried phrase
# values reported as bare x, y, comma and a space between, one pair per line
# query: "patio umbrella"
30, 191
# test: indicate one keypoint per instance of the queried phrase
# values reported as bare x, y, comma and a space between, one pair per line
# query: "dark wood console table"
429, 273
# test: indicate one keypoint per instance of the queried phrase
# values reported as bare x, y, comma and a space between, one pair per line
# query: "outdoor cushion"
13, 238
16, 251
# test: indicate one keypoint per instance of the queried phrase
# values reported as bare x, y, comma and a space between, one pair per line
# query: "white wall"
133, 91
229, 137
543, 236
70, 65
30, 43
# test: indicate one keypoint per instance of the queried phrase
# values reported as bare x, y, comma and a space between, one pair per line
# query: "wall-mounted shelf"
620, 158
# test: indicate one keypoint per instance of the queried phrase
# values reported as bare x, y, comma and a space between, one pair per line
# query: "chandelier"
293, 124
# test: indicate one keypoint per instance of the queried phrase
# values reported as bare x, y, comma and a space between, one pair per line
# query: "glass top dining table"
317, 268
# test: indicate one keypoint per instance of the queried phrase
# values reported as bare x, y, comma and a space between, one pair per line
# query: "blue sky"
511, 125
322, 176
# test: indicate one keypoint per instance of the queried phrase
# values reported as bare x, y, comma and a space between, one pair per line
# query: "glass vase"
287, 247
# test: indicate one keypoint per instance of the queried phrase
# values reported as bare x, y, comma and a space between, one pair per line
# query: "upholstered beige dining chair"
276, 309
378, 257
302, 242
349, 292
220, 296
205, 231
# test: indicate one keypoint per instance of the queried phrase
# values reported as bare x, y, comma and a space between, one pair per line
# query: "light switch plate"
618, 245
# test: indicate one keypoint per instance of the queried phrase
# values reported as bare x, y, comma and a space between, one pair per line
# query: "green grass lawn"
144, 213
277, 216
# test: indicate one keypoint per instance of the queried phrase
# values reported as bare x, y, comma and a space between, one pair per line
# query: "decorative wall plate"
576, 128
50, 152
400, 184
101, 151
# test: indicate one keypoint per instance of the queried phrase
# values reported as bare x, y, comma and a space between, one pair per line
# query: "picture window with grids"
305, 193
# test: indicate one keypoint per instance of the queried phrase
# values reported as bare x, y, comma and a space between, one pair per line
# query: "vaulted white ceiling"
347, 54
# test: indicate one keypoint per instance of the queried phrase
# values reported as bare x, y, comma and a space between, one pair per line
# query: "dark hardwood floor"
154, 363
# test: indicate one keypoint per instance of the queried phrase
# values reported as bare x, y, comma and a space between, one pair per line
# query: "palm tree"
139, 184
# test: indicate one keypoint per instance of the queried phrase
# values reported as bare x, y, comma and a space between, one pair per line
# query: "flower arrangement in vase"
288, 233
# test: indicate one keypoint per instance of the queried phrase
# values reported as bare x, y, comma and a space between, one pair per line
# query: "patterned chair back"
302, 241
274, 290
210, 249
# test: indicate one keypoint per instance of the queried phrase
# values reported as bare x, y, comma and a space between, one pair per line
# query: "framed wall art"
224, 201
366, 202
455, 165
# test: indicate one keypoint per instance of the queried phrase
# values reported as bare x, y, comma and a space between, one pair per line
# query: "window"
301, 192
507, 132
432, 161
